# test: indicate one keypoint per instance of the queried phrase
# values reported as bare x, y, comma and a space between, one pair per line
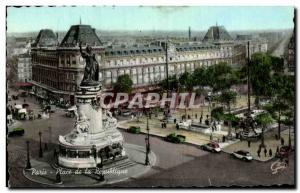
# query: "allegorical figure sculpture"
91, 71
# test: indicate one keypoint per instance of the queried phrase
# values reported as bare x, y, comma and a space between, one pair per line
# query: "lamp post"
41, 150
58, 178
101, 167
55, 156
147, 139
94, 152
28, 165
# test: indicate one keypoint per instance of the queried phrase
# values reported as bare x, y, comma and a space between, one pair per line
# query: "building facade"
24, 69
58, 67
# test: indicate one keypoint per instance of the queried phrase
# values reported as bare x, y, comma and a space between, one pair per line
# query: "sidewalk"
44, 172
194, 138
270, 143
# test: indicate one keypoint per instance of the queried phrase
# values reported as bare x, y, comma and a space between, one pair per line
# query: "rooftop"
45, 38
217, 33
77, 34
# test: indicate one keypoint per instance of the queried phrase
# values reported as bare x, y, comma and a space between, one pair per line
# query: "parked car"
25, 105
50, 108
134, 129
211, 146
243, 155
15, 97
16, 132
283, 152
175, 138
126, 113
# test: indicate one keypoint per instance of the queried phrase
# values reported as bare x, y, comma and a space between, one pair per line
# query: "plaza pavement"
44, 172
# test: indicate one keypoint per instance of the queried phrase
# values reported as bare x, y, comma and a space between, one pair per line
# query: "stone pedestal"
95, 137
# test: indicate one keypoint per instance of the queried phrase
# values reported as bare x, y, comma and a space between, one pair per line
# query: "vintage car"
134, 129
242, 154
211, 146
174, 138
16, 132
70, 112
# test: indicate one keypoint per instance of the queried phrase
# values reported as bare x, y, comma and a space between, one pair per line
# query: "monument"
94, 138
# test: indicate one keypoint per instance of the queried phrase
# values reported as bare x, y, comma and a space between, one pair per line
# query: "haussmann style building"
57, 67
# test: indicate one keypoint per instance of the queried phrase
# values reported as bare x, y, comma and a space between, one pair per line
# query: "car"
134, 129
175, 138
16, 132
283, 152
211, 146
243, 155
50, 108
126, 113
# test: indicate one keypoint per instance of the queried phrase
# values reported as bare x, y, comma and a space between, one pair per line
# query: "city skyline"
158, 18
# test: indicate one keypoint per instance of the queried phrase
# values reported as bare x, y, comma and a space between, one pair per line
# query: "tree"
186, 80
228, 97
220, 76
173, 83
200, 77
283, 92
289, 121
277, 64
217, 113
123, 84
260, 74
263, 120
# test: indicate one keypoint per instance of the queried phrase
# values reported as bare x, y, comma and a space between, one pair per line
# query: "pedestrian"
287, 161
270, 152
201, 119
282, 141
265, 151
189, 117
258, 152
249, 143
165, 125
174, 121
177, 126
207, 122
162, 125
223, 139
277, 150
196, 115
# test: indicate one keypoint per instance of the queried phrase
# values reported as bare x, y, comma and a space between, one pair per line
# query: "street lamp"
147, 139
94, 152
55, 156
28, 165
101, 167
41, 150
58, 178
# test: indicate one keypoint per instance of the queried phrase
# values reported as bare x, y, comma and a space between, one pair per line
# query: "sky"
28, 19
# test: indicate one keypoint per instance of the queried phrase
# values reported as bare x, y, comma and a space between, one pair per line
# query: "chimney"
190, 33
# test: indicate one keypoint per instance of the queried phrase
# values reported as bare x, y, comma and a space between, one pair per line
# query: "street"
177, 165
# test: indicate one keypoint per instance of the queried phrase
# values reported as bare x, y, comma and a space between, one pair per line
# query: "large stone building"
58, 67
291, 50
24, 67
